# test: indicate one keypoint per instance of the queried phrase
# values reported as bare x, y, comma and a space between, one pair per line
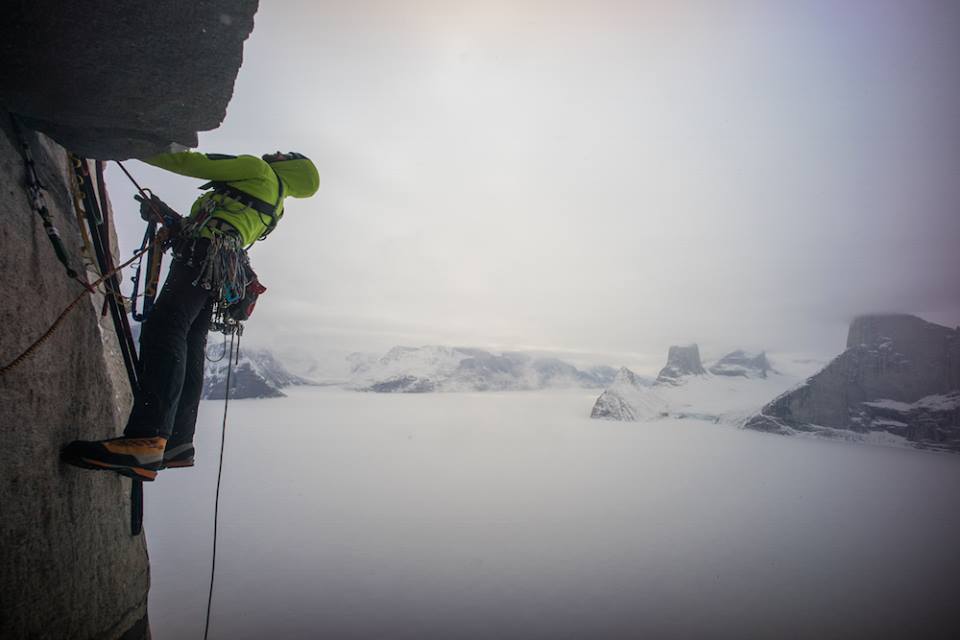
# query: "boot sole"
177, 464
137, 473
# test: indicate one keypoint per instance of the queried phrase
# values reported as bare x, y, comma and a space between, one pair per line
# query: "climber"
209, 280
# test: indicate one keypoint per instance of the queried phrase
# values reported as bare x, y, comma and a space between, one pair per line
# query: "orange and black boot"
137, 458
177, 456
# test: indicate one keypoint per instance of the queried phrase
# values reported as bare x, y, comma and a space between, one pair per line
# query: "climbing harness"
223, 269
263, 208
234, 354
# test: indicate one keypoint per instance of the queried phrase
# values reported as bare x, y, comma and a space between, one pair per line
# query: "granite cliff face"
105, 80
69, 567
897, 381
681, 361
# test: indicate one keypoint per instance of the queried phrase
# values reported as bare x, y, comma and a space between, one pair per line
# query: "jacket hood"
300, 177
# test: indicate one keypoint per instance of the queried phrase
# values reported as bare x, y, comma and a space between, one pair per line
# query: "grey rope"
216, 503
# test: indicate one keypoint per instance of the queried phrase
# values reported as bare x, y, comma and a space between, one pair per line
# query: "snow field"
513, 515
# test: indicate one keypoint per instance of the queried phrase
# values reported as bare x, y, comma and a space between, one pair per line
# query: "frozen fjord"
513, 515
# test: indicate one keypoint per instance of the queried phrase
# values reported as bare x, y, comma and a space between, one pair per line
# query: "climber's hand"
157, 209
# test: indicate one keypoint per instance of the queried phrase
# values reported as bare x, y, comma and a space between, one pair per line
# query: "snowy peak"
626, 377
681, 361
256, 374
742, 363
629, 398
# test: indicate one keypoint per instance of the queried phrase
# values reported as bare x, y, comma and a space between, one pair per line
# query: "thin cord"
89, 288
216, 503
144, 193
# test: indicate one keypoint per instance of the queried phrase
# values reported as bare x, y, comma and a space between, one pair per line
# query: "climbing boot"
137, 458
176, 456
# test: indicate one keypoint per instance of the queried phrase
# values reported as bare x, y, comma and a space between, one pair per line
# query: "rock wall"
900, 376
69, 567
681, 361
106, 80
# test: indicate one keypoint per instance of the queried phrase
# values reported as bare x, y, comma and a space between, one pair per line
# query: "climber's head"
280, 156
297, 171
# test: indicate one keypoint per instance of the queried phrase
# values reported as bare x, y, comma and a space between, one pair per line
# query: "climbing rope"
216, 502
90, 288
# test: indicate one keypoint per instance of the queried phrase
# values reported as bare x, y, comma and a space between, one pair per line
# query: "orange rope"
89, 288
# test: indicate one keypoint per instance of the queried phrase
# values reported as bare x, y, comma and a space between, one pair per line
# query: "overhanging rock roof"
115, 80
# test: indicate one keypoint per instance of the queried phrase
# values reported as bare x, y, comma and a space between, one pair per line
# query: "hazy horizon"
602, 179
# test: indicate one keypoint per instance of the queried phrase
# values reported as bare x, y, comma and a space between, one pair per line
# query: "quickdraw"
35, 189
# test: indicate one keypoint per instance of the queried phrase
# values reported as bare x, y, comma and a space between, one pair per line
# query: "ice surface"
515, 516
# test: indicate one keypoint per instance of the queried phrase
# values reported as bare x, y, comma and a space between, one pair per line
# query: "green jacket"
245, 173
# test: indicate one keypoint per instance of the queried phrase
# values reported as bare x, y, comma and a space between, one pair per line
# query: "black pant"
173, 343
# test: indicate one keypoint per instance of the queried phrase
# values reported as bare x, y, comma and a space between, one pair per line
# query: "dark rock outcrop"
899, 376
743, 364
110, 80
681, 361
403, 384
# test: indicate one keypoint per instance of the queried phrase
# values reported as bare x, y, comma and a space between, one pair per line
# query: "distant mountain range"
260, 374
898, 382
438, 368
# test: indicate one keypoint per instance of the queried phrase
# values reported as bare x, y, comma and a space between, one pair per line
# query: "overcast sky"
602, 177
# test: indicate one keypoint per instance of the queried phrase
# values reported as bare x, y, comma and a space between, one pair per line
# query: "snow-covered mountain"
440, 368
687, 390
629, 398
257, 374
